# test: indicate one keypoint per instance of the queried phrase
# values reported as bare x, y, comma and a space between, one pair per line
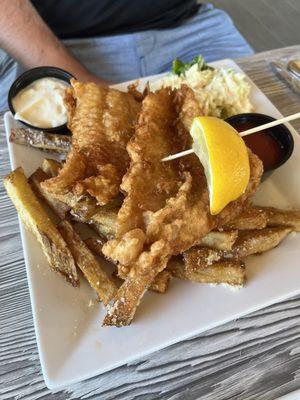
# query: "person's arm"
25, 36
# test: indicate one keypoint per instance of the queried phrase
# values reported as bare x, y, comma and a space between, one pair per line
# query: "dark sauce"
263, 144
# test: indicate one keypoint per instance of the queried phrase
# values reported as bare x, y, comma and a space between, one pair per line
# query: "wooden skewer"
271, 124
247, 132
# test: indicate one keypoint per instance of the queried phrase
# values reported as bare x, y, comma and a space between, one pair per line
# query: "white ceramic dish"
72, 344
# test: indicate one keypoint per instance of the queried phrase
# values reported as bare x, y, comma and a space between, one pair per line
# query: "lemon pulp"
225, 160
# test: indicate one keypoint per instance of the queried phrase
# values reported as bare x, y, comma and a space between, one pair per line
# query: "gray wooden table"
255, 357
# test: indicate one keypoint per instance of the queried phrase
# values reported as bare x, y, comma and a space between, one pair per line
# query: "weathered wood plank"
255, 357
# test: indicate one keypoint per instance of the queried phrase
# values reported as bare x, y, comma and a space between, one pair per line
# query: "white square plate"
72, 344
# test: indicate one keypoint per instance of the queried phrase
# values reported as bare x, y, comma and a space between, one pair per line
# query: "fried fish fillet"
101, 121
166, 210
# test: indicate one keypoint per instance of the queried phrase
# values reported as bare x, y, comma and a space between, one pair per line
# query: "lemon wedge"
225, 159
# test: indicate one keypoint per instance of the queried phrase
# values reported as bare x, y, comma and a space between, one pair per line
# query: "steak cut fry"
88, 263
228, 272
137, 282
276, 217
250, 218
105, 220
60, 208
168, 203
257, 241
248, 243
50, 142
220, 240
87, 207
161, 281
38, 222
95, 244
51, 167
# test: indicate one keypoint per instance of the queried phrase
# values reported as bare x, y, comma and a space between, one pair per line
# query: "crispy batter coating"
168, 202
102, 121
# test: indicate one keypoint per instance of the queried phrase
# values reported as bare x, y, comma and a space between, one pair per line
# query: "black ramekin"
280, 132
30, 76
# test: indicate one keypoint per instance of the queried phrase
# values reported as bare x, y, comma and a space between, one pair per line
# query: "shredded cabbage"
221, 92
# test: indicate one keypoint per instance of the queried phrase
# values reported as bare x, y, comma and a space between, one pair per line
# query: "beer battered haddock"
166, 208
101, 121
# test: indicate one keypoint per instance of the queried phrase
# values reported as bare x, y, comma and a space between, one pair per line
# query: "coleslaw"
221, 92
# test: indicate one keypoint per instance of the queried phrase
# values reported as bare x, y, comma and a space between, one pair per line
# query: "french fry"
95, 243
84, 209
51, 167
220, 240
251, 218
114, 204
38, 222
257, 241
101, 218
134, 287
248, 243
229, 272
276, 217
60, 208
88, 263
98, 228
104, 222
84, 259
52, 143
161, 281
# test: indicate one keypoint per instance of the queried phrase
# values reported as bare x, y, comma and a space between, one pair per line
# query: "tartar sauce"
41, 103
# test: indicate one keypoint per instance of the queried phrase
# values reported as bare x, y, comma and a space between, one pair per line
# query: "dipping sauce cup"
274, 146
